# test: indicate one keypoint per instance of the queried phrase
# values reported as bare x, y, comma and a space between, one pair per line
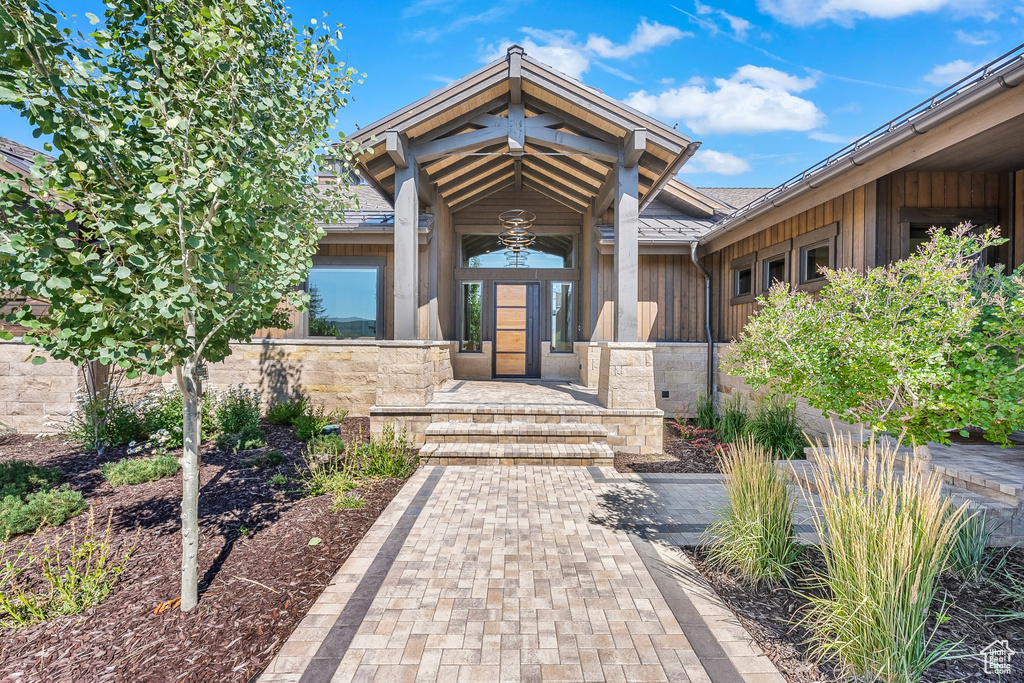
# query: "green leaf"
122, 272
38, 360
29, 276
76, 258
64, 243
5, 335
147, 121
314, 541
93, 19
79, 132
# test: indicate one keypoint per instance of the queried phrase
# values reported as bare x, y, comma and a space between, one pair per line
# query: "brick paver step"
516, 454
516, 432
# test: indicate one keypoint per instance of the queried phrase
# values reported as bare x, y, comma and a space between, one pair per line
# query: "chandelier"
516, 235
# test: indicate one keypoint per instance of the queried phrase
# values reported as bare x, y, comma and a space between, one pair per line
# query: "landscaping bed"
258, 572
694, 454
770, 614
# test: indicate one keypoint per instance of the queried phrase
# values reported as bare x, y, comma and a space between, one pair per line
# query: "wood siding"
671, 299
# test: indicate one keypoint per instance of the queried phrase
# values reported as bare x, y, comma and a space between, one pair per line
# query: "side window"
774, 265
344, 301
814, 251
742, 270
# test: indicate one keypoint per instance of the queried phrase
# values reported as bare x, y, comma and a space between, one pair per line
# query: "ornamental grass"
887, 537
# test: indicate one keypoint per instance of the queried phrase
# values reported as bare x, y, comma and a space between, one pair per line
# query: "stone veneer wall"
680, 368
32, 395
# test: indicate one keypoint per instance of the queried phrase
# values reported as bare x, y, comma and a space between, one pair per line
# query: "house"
519, 225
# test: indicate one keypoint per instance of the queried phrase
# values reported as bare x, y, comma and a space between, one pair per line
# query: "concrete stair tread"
440, 409
518, 429
473, 453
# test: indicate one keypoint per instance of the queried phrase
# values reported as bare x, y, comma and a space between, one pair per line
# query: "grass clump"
139, 470
329, 444
286, 411
888, 539
263, 460
733, 422
969, 558
312, 422
347, 502
754, 537
707, 416
72, 576
249, 438
389, 456
328, 475
775, 427
30, 498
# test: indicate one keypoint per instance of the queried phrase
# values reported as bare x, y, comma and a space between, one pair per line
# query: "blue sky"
769, 86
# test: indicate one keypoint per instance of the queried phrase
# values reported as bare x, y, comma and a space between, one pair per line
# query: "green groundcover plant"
139, 470
922, 347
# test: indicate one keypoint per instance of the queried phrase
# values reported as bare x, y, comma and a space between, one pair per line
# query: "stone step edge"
476, 409
516, 454
516, 429
471, 448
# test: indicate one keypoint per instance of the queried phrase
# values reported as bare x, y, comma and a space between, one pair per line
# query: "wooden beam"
627, 226
426, 189
456, 144
519, 175
482, 191
552, 195
406, 295
482, 184
488, 121
634, 147
461, 121
545, 120
445, 166
473, 179
475, 166
516, 129
515, 75
395, 146
606, 195
463, 203
583, 184
567, 142
556, 186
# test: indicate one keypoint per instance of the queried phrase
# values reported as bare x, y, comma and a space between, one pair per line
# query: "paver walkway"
531, 573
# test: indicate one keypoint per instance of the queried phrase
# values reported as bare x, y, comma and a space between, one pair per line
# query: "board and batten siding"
671, 299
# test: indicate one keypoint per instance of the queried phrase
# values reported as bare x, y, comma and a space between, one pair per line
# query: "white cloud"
978, 38
562, 51
646, 37
722, 163
947, 74
830, 138
739, 25
754, 100
803, 12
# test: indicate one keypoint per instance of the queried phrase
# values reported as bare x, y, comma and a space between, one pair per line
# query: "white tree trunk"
191, 391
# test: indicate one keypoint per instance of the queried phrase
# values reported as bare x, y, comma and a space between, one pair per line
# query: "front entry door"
516, 330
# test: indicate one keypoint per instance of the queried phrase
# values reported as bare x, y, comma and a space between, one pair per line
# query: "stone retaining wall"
32, 395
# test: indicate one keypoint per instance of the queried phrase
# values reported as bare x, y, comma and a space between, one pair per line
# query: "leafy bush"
268, 459
249, 439
285, 411
312, 422
924, 346
969, 557
139, 470
20, 515
162, 410
390, 456
754, 536
707, 416
20, 478
774, 426
330, 444
115, 420
888, 539
732, 425
236, 409
347, 502
76, 576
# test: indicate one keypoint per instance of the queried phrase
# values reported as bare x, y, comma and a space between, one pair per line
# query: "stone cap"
638, 346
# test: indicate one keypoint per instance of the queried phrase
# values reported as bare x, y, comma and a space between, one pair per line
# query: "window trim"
364, 262
737, 265
462, 315
783, 249
823, 236
572, 315
980, 217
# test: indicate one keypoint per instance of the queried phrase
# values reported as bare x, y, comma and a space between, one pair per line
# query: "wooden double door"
517, 329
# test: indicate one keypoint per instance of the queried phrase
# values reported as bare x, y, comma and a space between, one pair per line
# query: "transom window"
546, 251
344, 302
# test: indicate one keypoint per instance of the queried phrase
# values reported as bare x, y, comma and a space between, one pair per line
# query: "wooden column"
627, 225
406, 251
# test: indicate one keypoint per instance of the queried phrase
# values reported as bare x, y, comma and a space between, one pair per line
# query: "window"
774, 262
813, 251
743, 278
547, 251
812, 260
916, 223
561, 317
472, 307
344, 301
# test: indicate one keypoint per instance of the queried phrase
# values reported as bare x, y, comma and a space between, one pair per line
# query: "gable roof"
18, 156
735, 197
566, 148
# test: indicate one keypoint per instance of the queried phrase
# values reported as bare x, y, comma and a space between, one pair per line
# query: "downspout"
707, 318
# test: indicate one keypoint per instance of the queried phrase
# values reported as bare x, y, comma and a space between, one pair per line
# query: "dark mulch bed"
694, 454
770, 615
256, 585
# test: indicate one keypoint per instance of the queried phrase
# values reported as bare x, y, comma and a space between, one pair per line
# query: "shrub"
732, 425
20, 478
285, 411
114, 420
236, 409
969, 557
707, 416
330, 444
774, 426
77, 576
329, 475
888, 538
312, 422
269, 459
19, 515
278, 480
162, 411
139, 470
390, 456
754, 536
249, 438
